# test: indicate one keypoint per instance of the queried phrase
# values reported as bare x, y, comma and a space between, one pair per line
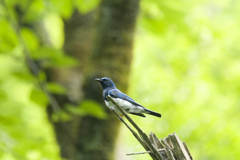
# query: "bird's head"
106, 82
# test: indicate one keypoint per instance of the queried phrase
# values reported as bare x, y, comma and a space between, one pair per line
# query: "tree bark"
78, 43
103, 51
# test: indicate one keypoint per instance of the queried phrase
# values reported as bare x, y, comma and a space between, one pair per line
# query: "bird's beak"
98, 79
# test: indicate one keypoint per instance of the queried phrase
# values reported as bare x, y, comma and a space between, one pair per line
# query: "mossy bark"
104, 49
78, 43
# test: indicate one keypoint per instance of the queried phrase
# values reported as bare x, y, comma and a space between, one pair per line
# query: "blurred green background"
186, 65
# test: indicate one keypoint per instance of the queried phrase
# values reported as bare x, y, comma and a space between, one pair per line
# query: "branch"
133, 132
136, 153
155, 154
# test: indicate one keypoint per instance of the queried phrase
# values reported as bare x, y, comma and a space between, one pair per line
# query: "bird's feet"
112, 108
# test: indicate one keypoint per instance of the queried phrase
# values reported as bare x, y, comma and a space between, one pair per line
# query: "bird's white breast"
129, 107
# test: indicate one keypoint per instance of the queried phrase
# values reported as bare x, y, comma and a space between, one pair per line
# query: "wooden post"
172, 147
169, 148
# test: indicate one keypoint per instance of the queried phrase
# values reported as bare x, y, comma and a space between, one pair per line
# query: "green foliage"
61, 116
30, 39
8, 39
186, 66
54, 57
88, 107
92, 108
38, 97
56, 88
86, 6
64, 8
54, 26
25, 132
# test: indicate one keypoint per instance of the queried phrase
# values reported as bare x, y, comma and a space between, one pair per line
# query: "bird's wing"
115, 93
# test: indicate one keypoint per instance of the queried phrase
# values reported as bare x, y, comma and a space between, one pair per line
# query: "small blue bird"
127, 103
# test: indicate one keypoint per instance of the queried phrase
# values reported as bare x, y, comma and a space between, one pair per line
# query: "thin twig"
136, 153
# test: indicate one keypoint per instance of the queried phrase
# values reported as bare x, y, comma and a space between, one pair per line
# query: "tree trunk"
103, 50
78, 43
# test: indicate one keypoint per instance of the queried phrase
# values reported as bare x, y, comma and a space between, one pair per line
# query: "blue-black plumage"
127, 103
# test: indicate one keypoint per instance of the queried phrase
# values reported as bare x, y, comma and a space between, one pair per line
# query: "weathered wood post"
169, 148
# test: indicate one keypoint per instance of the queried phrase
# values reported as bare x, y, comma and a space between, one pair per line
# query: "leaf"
56, 88
75, 110
8, 39
88, 107
30, 39
85, 6
23, 76
93, 108
64, 8
38, 97
36, 11
46, 52
61, 116
41, 76
54, 57
54, 26
63, 61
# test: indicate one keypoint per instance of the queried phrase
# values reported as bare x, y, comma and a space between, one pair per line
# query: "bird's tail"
147, 111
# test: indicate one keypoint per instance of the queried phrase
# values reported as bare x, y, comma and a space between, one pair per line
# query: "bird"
127, 103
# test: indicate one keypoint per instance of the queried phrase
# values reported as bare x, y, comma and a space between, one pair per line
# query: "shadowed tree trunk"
104, 48
78, 43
